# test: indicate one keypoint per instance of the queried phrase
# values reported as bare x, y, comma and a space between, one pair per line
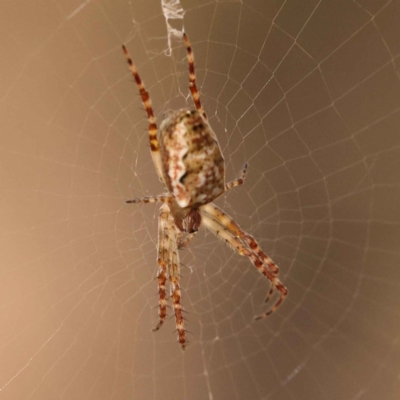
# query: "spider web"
308, 93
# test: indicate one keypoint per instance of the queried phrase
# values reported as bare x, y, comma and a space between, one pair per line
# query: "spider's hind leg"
192, 77
239, 181
163, 198
153, 141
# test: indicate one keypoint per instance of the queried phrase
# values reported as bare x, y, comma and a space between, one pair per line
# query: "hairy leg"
228, 223
163, 260
154, 145
192, 77
240, 243
239, 181
162, 198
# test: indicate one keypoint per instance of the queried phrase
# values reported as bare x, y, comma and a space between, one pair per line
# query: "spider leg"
239, 181
162, 198
162, 260
227, 223
154, 144
271, 290
240, 243
183, 243
174, 278
192, 77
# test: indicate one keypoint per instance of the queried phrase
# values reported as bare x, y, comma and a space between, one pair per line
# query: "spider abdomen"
192, 162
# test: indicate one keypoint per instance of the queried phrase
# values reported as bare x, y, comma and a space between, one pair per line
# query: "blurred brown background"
308, 93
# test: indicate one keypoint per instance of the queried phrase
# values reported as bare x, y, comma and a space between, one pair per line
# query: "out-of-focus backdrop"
307, 92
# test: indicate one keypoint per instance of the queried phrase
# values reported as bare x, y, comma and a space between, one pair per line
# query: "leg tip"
157, 327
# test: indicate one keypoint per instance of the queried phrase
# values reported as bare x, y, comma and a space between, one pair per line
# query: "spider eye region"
191, 222
192, 162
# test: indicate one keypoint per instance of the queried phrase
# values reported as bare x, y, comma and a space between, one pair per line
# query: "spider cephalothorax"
189, 162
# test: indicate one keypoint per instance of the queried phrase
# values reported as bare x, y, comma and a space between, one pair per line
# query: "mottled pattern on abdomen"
193, 165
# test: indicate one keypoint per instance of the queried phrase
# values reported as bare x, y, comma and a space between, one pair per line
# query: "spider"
189, 162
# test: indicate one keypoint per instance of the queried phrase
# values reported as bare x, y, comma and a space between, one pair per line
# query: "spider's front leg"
176, 298
168, 265
229, 224
244, 244
162, 260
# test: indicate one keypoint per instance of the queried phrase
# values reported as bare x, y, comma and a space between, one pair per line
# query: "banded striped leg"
163, 198
241, 248
174, 278
163, 261
239, 181
227, 223
154, 145
269, 295
192, 77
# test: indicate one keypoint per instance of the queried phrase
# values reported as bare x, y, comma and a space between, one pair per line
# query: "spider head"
186, 219
192, 221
